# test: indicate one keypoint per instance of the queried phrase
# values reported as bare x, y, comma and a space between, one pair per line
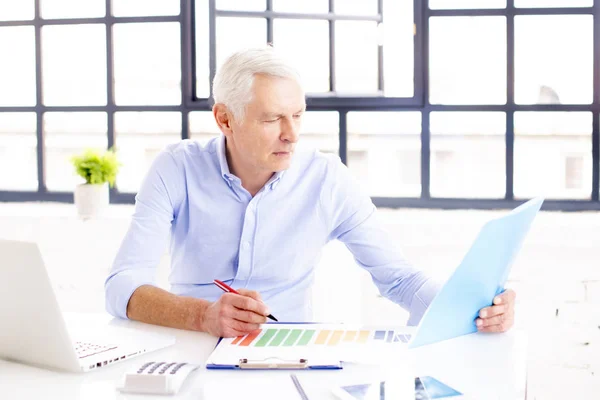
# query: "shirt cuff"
421, 300
119, 287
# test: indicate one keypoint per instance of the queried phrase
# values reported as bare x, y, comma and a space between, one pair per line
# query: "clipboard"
271, 359
478, 279
275, 363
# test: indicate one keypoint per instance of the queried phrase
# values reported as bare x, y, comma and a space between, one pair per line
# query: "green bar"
293, 337
279, 338
265, 338
308, 334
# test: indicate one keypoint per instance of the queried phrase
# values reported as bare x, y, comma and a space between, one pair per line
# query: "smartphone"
426, 388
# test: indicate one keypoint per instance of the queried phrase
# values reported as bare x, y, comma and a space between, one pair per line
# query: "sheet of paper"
320, 344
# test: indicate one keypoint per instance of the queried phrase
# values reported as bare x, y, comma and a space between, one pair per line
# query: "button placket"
246, 250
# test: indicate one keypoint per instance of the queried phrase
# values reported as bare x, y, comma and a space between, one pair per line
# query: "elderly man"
249, 210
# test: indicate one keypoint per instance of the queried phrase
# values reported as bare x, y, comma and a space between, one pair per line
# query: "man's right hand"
234, 314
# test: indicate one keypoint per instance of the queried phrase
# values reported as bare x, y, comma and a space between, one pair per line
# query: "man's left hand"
500, 317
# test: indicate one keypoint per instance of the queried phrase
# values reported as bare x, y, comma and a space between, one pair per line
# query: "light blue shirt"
270, 243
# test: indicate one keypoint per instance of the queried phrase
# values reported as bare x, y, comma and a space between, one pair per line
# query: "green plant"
97, 167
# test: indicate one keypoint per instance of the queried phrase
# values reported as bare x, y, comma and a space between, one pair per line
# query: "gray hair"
233, 81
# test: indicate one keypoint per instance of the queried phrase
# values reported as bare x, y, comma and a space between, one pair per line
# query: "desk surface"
490, 366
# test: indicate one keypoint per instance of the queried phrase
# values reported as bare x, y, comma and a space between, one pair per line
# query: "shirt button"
246, 245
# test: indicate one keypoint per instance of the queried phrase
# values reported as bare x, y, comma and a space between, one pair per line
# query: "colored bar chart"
306, 337
335, 338
291, 337
265, 338
250, 338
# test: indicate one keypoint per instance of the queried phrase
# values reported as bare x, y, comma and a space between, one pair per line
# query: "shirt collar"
229, 177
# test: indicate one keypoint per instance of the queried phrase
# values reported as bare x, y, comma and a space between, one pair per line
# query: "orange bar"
363, 336
237, 340
322, 337
335, 338
250, 337
350, 336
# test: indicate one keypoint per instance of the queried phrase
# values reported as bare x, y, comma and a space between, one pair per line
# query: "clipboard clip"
273, 363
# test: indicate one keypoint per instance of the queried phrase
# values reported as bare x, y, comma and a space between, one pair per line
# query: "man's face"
264, 140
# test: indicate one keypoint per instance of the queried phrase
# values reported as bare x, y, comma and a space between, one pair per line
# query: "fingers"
250, 293
248, 316
507, 297
499, 323
492, 311
228, 332
246, 303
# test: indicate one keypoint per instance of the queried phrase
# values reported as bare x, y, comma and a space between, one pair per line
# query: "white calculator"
157, 377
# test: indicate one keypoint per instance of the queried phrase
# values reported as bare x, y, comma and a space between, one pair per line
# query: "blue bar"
379, 335
390, 336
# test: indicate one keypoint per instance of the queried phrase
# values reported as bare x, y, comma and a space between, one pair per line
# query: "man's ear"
223, 118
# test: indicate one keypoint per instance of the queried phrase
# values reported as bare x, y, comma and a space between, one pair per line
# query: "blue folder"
478, 279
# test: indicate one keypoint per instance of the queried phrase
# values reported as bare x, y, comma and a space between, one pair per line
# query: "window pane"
305, 6
18, 151
553, 155
384, 152
467, 60
356, 7
398, 48
468, 154
553, 3
246, 5
255, 35
306, 45
68, 134
203, 126
356, 57
72, 8
321, 130
553, 59
74, 64
140, 136
132, 8
466, 4
17, 72
202, 50
11, 10
147, 63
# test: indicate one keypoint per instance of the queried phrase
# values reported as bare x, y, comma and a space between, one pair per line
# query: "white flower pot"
91, 200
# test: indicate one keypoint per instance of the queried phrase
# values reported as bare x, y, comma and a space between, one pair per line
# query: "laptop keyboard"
84, 349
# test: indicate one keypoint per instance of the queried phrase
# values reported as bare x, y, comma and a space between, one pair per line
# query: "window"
574, 172
67, 134
387, 147
466, 68
460, 102
140, 136
18, 151
543, 140
468, 154
549, 69
354, 50
17, 72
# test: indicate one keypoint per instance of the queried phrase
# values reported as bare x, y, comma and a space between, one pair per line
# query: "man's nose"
290, 130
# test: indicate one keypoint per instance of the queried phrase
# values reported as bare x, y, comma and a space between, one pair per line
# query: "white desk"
483, 366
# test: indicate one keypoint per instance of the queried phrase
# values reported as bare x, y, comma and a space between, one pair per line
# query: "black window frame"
343, 105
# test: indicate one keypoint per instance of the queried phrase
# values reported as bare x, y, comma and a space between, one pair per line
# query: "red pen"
226, 288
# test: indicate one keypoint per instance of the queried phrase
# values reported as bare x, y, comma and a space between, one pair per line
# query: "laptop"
33, 328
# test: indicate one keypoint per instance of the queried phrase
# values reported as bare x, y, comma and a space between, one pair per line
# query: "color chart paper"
318, 343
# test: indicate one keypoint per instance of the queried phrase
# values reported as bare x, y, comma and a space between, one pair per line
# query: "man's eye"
271, 120
297, 115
